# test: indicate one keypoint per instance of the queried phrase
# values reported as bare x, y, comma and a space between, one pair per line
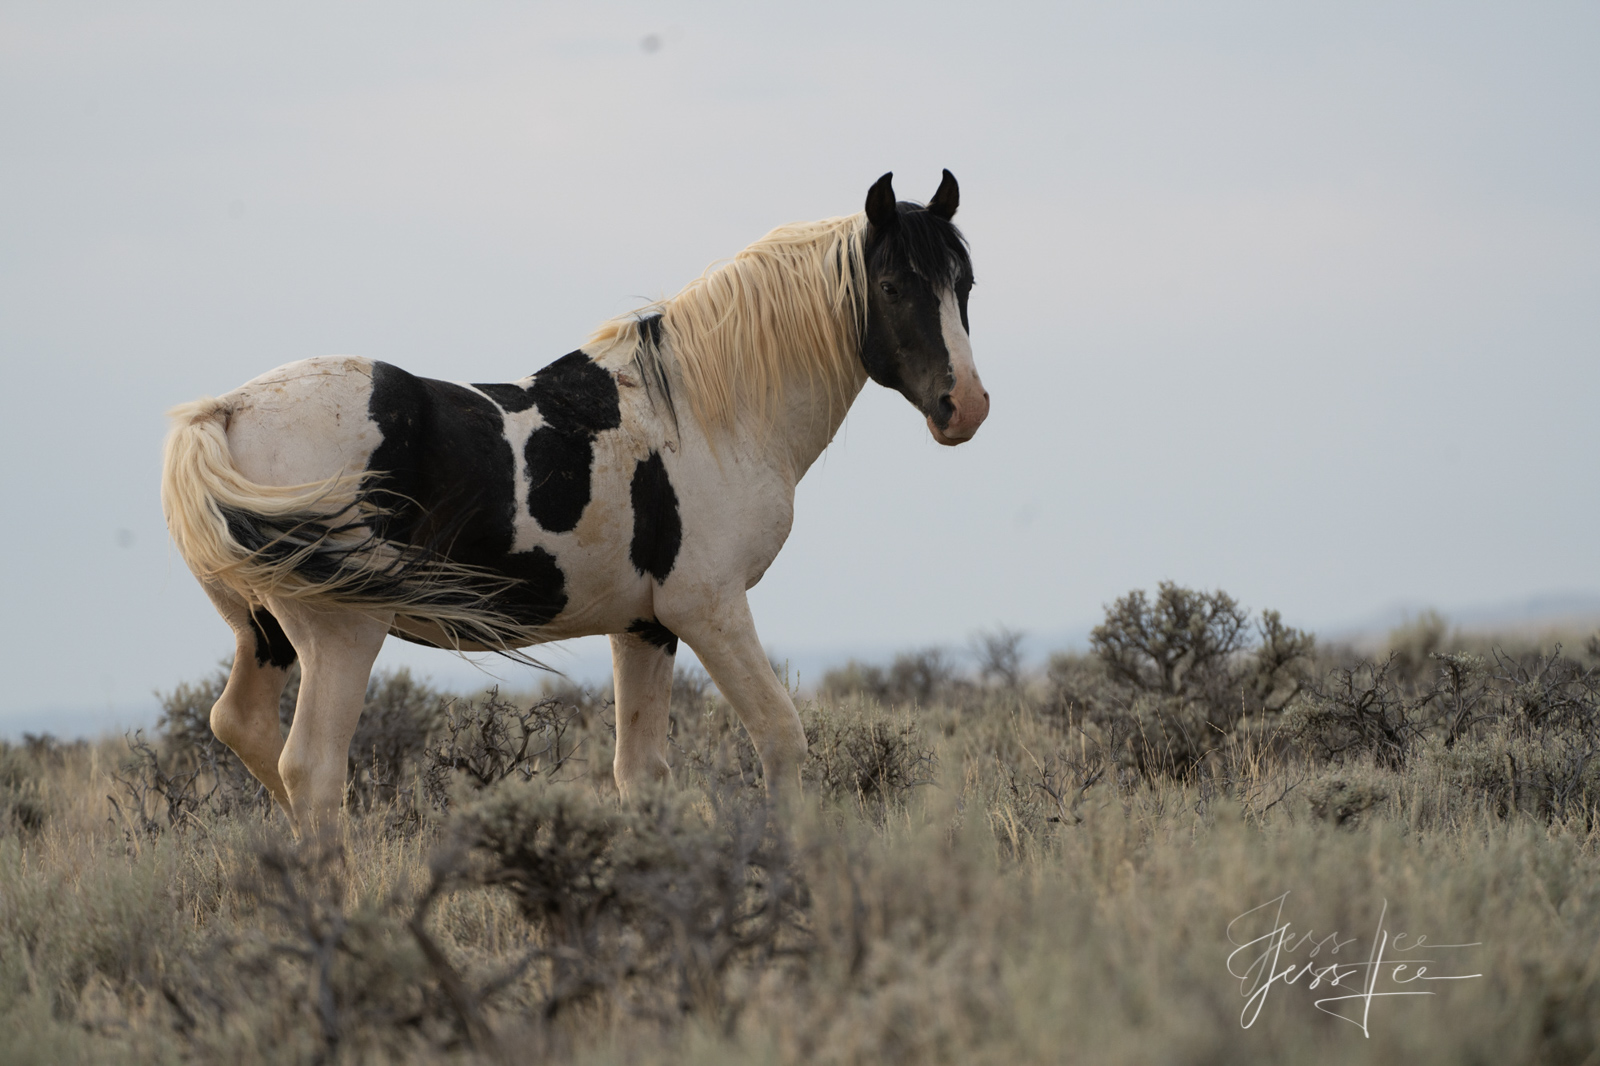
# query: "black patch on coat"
653, 632
447, 485
577, 399
511, 398
272, 643
575, 394
657, 528
543, 592
558, 477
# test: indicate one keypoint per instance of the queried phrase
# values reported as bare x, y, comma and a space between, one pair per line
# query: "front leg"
724, 637
641, 661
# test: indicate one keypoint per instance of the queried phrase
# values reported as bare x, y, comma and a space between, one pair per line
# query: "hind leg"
245, 716
337, 649
642, 669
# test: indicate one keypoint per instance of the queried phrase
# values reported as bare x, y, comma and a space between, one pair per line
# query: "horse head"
916, 335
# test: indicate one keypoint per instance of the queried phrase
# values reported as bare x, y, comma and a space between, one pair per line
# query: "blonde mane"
789, 307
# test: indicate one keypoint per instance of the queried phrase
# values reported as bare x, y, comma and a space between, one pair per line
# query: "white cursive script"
1277, 959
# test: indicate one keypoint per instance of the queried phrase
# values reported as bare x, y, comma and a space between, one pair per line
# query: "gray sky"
1300, 301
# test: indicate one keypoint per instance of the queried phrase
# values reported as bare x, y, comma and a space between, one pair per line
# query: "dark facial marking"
657, 528
447, 485
272, 643
653, 632
913, 255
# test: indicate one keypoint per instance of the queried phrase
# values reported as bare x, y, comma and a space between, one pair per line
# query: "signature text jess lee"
1279, 955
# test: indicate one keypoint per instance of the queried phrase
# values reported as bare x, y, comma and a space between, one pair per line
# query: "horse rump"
316, 542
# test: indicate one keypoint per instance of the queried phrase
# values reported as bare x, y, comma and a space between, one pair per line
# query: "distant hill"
1555, 611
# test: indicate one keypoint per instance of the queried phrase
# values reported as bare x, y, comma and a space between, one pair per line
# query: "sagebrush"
993, 866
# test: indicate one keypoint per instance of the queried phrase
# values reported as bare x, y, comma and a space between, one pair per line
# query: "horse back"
532, 480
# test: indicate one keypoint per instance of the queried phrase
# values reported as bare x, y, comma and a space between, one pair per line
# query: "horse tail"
314, 542
205, 496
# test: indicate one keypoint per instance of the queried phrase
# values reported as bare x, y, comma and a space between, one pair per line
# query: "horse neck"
807, 402
804, 421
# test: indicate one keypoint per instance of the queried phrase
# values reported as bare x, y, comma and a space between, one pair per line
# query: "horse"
637, 487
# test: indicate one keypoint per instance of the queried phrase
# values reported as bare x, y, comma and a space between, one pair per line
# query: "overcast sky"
1299, 301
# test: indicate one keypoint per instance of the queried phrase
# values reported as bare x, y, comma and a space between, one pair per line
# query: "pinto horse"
637, 487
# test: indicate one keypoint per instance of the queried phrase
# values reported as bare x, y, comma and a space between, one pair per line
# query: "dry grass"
976, 880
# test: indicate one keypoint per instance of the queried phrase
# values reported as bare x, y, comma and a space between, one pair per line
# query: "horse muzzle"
969, 406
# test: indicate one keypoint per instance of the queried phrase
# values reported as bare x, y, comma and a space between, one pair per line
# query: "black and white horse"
638, 487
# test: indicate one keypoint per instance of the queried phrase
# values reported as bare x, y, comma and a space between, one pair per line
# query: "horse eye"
888, 288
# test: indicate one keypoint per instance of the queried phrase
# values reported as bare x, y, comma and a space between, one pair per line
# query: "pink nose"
970, 411
969, 407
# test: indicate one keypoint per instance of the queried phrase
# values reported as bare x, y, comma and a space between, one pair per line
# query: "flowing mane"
789, 306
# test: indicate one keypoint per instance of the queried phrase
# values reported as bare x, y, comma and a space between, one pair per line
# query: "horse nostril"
986, 395
947, 408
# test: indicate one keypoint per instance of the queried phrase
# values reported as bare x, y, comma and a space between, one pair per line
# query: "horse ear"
881, 210
947, 199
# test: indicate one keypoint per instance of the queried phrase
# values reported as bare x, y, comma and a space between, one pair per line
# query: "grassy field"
1090, 864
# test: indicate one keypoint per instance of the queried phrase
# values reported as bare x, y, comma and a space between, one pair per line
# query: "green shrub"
484, 741
1044, 895
865, 755
1341, 801
1412, 646
857, 753
1169, 679
23, 808
656, 902
920, 678
399, 717
1519, 731
999, 656
1363, 711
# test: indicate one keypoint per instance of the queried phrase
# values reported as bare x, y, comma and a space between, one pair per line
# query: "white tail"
200, 484
313, 542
